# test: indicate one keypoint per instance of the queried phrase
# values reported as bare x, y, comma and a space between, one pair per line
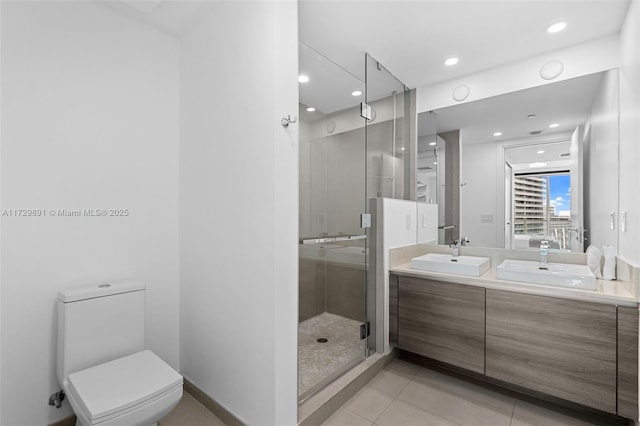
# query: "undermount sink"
462, 265
557, 274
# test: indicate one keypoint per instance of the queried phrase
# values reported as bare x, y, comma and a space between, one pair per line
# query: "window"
542, 208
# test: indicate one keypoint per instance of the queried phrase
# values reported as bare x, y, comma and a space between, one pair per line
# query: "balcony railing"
558, 228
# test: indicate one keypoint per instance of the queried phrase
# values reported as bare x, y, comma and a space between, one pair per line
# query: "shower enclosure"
345, 160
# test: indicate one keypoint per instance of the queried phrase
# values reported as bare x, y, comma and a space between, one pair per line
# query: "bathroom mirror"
538, 164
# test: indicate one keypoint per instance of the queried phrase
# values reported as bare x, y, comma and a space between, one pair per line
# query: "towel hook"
288, 120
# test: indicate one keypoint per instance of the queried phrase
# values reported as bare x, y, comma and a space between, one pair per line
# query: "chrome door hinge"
365, 111
365, 220
365, 330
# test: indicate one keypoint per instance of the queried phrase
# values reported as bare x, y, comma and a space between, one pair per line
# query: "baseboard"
221, 412
67, 421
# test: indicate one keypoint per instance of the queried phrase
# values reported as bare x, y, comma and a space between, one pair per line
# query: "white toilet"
103, 368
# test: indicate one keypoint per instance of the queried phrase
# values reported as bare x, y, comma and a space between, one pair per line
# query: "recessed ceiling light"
356, 93
531, 116
497, 134
303, 78
557, 27
435, 162
451, 61
553, 126
402, 149
541, 164
540, 152
432, 143
311, 109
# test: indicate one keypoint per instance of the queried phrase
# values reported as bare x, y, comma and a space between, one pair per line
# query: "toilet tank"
97, 324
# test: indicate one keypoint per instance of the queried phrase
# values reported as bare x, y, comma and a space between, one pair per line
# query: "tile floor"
190, 412
317, 361
404, 394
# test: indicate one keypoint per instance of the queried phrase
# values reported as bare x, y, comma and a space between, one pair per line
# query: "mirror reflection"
525, 167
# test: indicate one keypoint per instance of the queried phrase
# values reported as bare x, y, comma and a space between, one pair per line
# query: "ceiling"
553, 153
174, 17
566, 103
413, 38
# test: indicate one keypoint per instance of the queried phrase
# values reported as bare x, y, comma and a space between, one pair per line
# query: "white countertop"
622, 293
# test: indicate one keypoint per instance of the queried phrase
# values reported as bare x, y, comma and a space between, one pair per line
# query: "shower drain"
322, 340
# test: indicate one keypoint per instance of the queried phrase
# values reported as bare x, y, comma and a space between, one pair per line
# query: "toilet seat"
111, 390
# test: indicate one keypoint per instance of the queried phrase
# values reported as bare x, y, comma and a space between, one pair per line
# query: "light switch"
486, 218
612, 218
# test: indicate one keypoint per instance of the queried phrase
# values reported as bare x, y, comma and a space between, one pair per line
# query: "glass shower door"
390, 174
333, 247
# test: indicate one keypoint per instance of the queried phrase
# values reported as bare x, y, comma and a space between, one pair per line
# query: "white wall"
89, 120
586, 58
479, 196
238, 209
396, 227
1, 137
601, 164
629, 155
427, 223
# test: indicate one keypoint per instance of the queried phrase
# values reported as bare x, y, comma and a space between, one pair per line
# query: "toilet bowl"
136, 389
107, 375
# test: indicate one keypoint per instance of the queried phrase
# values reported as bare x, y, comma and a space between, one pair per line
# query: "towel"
594, 258
609, 270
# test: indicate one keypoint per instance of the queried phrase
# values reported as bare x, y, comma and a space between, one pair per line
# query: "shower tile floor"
318, 361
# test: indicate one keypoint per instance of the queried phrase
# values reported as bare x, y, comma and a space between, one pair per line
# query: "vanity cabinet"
578, 351
564, 348
442, 321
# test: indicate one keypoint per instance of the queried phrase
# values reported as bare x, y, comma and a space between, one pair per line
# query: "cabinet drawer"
442, 321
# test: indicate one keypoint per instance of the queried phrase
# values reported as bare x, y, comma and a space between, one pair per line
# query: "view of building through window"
542, 208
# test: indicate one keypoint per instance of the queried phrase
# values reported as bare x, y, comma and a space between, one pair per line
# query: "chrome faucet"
455, 246
544, 251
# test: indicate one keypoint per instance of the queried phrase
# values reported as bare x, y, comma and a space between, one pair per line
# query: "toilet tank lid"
99, 290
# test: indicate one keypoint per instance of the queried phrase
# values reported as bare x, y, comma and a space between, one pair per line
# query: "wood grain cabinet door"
442, 321
628, 362
560, 347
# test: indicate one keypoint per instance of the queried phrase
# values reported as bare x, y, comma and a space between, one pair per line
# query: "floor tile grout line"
400, 391
472, 396
430, 412
356, 414
385, 409
513, 411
